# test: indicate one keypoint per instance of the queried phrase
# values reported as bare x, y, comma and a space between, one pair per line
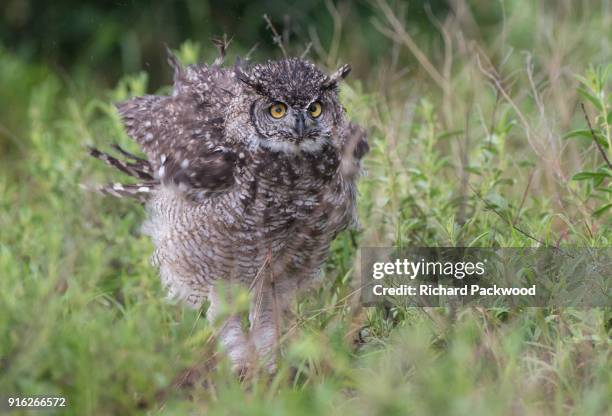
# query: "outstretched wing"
182, 134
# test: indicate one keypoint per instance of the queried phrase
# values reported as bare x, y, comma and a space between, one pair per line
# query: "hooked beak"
299, 125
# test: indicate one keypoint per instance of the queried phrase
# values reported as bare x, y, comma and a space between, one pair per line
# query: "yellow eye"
315, 109
278, 110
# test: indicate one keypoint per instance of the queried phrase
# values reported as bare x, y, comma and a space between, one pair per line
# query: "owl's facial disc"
291, 127
301, 121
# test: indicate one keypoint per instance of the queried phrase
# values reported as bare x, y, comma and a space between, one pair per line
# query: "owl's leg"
231, 336
265, 326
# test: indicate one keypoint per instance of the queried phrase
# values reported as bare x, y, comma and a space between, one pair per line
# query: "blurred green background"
111, 38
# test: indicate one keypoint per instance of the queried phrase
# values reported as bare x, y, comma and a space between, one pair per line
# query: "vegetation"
478, 138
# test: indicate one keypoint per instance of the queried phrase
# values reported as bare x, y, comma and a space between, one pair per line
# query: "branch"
510, 223
601, 150
276, 38
400, 33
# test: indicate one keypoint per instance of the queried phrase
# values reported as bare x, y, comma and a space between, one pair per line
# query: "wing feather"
354, 141
183, 134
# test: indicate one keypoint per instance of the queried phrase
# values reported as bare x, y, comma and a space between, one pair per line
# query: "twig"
464, 159
525, 233
492, 76
306, 50
276, 38
399, 32
448, 57
555, 161
251, 51
525, 193
601, 150
334, 46
315, 41
497, 84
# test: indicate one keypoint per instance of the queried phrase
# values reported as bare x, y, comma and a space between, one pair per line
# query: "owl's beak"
299, 124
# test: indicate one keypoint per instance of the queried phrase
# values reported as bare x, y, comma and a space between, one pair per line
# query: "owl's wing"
182, 134
354, 140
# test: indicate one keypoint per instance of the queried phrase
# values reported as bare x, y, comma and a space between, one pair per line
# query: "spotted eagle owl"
249, 175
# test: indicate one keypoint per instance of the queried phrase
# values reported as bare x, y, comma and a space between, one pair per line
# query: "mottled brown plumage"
235, 194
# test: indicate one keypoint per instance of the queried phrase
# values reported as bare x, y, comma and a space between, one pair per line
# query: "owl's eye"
278, 110
315, 109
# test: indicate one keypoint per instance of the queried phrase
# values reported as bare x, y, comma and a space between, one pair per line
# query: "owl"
249, 175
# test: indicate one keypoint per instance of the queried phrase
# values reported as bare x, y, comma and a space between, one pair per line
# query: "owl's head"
292, 105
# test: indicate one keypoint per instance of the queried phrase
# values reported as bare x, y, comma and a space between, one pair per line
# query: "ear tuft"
333, 80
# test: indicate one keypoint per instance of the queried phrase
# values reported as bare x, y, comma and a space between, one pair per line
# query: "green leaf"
526, 164
585, 133
582, 80
583, 176
504, 181
588, 96
602, 209
476, 170
496, 201
577, 133
477, 239
449, 134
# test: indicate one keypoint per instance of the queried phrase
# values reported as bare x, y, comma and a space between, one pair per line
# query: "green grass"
496, 158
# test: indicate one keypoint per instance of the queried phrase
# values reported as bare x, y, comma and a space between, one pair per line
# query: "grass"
492, 149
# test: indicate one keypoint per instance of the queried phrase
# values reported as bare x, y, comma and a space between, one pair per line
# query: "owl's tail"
134, 166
